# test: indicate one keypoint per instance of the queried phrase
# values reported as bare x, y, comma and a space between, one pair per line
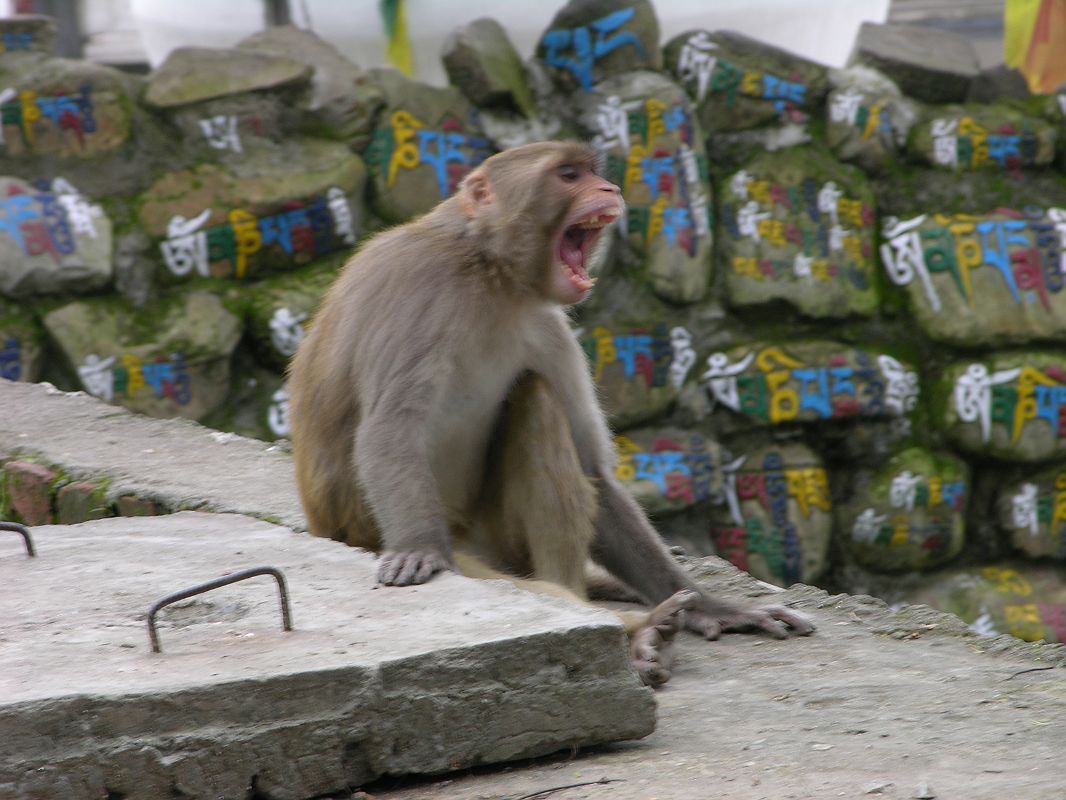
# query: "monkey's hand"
409, 567
711, 618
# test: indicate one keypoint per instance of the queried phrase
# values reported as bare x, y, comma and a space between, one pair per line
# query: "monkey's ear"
475, 193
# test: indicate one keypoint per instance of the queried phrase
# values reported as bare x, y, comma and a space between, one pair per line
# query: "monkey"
443, 413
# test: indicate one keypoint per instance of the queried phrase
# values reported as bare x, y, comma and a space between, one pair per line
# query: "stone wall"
828, 336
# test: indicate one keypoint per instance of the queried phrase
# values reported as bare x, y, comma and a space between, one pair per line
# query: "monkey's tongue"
571, 250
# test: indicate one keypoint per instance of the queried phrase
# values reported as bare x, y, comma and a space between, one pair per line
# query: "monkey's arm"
625, 542
394, 472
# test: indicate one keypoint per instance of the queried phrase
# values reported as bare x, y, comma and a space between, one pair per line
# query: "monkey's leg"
539, 506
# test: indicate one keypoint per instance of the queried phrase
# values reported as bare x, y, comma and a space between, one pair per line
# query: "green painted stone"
169, 359
590, 40
426, 141
21, 344
812, 381
990, 279
277, 208
1023, 600
994, 137
740, 83
1033, 514
192, 74
1007, 405
909, 514
669, 469
797, 227
280, 310
777, 518
654, 151
639, 369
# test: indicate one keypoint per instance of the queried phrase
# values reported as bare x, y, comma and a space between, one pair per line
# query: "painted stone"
341, 101
258, 404
982, 279
191, 74
1010, 406
929, 64
738, 82
54, 240
62, 109
808, 382
798, 227
638, 370
668, 469
277, 208
483, 64
426, 141
868, 119
170, 359
21, 344
644, 125
280, 310
909, 514
27, 34
224, 128
982, 137
1033, 513
777, 518
590, 40
1023, 600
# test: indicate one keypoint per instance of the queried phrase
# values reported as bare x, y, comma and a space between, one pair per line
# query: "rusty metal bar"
225, 580
25, 532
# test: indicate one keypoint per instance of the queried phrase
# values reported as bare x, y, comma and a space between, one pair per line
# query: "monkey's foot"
710, 620
652, 647
409, 567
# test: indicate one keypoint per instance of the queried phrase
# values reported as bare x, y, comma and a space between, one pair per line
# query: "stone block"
81, 502
28, 492
130, 505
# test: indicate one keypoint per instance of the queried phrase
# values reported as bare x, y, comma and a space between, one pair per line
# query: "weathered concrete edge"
326, 730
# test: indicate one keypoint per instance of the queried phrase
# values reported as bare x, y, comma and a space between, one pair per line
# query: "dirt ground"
876, 704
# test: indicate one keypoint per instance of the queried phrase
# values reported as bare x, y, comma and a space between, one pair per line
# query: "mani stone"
931, 65
644, 123
797, 227
27, 34
426, 141
192, 74
738, 82
1024, 600
341, 101
257, 405
989, 279
590, 40
279, 309
57, 241
777, 518
868, 119
1008, 406
482, 63
907, 515
765, 383
277, 208
992, 137
171, 358
1033, 514
637, 370
55, 108
669, 469
22, 347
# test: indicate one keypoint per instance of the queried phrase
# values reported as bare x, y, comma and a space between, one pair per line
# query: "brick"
28, 492
130, 505
81, 502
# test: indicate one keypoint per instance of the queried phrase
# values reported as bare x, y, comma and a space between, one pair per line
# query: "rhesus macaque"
443, 414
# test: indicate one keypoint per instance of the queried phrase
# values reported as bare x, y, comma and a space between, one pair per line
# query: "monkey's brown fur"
443, 414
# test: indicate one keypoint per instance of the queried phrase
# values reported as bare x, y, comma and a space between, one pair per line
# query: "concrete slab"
371, 681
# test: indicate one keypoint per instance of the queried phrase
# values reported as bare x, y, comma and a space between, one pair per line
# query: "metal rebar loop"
225, 580
25, 532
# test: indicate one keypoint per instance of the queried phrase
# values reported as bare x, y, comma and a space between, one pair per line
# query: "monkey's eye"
568, 172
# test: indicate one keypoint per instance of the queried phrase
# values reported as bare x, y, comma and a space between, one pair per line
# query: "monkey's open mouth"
576, 243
